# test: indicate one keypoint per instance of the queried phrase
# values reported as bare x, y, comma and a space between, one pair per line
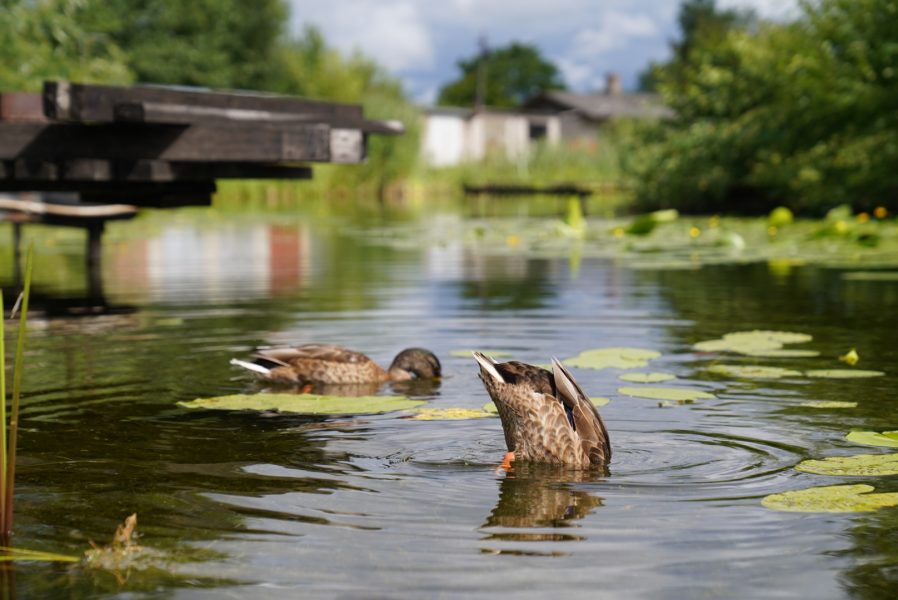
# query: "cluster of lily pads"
839, 498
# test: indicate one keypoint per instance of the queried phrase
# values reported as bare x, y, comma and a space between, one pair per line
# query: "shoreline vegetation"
798, 113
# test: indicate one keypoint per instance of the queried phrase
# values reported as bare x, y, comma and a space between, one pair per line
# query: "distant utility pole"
480, 98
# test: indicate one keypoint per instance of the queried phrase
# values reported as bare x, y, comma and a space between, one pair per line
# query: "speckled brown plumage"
331, 364
545, 415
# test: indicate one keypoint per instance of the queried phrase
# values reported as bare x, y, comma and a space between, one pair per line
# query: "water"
260, 506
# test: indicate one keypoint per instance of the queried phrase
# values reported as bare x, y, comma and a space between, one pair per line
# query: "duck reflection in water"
540, 496
336, 370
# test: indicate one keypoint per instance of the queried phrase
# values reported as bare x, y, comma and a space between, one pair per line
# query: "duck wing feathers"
318, 352
587, 421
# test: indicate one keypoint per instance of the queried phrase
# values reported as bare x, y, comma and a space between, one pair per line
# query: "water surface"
266, 506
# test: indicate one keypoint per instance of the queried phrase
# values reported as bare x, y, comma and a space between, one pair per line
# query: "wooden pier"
165, 146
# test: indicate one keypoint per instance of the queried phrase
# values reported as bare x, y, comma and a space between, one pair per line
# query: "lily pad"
8, 554
450, 414
831, 498
888, 439
753, 371
665, 393
871, 276
828, 404
306, 403
852, 466
781, 337
617, 358
843, 373
781, 353
646, 377
758, 343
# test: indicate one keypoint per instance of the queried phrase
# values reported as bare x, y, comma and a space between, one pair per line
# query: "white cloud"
771, 9
616, 31
393, 33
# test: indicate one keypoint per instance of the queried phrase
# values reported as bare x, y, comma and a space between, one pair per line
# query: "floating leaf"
851, 357
618, 358
646, 377
828, 404
888, 439
781, 337
757, 343
831, 498
860, 464
843, 373
469, 353
665, 393
753, 371
306, 403
450, 414
781, 353
871, 276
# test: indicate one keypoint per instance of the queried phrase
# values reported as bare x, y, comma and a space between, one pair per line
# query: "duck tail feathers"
488, 365
259, 369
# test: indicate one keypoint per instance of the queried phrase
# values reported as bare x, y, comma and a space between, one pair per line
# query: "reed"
9, 438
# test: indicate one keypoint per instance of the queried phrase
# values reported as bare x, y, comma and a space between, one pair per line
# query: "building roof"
602, 106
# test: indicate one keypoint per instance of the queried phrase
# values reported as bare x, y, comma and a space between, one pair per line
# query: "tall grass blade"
2, 417
16, 394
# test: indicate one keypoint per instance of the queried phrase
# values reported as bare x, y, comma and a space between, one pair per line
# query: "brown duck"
330, 364
545, 415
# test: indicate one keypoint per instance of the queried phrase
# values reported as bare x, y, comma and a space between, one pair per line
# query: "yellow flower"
880, 212
513, 240
863, 217
618, 232
694, 232
851, 357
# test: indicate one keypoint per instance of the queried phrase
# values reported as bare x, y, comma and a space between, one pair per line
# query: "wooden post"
93, 256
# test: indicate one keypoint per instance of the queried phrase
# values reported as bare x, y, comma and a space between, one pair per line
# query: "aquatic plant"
8, 439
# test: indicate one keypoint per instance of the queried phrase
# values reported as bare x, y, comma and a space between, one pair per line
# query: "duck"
330, 364
546, 417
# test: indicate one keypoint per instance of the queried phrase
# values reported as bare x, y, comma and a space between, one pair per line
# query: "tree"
214, 43
512, 74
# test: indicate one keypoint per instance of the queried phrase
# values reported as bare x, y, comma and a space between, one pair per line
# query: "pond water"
271, 506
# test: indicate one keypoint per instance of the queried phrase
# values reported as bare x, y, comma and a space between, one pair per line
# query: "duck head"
415, 363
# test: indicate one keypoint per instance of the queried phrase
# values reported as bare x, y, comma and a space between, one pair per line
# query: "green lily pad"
758, 343
450, 414
617, 358
781, 353
665, 393
781, 337
753, 371
888, 439
306, 403
831, 498
843, 373
858, 465
828, 404
871, 276
468, 353
599, 401
646, 377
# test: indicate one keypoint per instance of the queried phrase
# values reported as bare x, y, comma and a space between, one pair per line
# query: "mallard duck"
330, 364
545, 415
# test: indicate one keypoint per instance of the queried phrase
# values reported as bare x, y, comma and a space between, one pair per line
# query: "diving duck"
545, 415
330, 364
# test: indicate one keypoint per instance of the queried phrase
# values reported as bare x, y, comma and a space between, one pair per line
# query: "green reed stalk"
16, 393
2, 417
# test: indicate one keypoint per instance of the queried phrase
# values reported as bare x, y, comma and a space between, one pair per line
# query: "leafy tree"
803, 114
512, 74
215, 43
47, 39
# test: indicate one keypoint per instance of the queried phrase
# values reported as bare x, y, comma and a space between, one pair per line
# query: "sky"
420, 41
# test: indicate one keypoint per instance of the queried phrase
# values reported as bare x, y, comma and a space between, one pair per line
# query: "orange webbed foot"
506, 463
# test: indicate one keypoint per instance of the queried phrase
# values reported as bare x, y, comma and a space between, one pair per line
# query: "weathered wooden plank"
97, 169
67, 101
69, 210
156, 194
184, 114
347, 146
21, 106
195, 143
